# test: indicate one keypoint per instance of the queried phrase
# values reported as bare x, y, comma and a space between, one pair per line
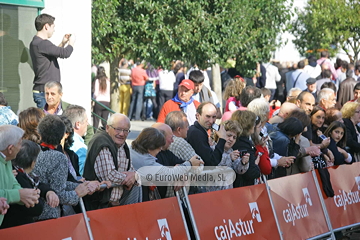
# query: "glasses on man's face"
119, 130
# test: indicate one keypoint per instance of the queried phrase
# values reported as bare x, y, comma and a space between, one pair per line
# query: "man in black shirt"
44, 56
198, 138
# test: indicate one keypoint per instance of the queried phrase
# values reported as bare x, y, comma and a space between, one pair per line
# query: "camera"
242, 153
215, 127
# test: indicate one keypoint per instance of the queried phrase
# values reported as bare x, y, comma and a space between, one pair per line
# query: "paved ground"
136, 128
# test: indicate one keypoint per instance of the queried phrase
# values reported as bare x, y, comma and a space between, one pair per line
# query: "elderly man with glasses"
108, 159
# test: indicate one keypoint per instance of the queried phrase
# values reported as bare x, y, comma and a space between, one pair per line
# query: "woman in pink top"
102, 95
232, 93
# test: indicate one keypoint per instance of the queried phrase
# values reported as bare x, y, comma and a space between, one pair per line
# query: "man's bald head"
306, 101
166, 130
286, 108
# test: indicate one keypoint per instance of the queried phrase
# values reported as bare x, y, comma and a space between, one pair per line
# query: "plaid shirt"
182, 149
105, 170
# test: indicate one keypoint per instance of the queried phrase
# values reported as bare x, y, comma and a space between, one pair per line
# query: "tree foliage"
328, 24
269, 20
198, 31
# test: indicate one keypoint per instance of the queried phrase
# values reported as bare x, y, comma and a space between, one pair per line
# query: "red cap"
187, 83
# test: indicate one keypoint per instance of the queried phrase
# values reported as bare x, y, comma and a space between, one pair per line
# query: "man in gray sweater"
44, 56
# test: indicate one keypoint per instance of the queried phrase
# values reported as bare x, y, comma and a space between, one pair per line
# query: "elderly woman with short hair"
52, 168
261, 108
351, 117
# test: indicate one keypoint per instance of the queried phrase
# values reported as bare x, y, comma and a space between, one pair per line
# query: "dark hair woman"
52, 167
101, 95
29, 120
317, 117
65, 145
337, 133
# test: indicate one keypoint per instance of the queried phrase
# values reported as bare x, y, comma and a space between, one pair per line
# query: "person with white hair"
293, 94
108, 159
261, 108
326, 98
10, 189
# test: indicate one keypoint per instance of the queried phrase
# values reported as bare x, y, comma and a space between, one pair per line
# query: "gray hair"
75, 113
9, 135
260, 107
175, 119
293, 90
115, 116
324, 93
54, 84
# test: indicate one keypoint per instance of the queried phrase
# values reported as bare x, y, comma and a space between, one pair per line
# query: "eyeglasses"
119, 130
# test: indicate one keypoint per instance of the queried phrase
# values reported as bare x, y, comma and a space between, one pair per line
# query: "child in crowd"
274, 104
337, 133
232, 94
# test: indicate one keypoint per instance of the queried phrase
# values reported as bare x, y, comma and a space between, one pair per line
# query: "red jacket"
171, 106
264, 164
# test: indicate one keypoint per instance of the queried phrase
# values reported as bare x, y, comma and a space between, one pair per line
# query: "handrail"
94, 114
109, 109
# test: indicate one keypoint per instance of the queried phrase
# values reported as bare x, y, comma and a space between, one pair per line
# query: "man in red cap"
183, 101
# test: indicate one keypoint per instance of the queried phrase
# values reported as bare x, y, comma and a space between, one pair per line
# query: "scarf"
46, 145
34, 179
183, 105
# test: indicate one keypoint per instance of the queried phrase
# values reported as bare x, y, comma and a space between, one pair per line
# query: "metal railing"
94, 114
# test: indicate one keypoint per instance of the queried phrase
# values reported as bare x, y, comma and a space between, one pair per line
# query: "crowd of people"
279, 122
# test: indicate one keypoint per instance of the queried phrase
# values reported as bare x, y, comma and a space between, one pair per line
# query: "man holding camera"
44, 55
198, 137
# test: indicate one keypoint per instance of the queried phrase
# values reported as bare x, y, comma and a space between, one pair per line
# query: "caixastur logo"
164, 231
296, 212
357, 180
238, 228
255, 213
344, 198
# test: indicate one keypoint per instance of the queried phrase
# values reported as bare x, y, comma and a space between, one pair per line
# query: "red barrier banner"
64, 228
344, 207
240, 213
298, 207
154, 220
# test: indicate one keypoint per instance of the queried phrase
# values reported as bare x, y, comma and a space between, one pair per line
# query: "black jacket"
351, 137
166, 158
339, 157
247, 179
197, 137
100, 140
19, 214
